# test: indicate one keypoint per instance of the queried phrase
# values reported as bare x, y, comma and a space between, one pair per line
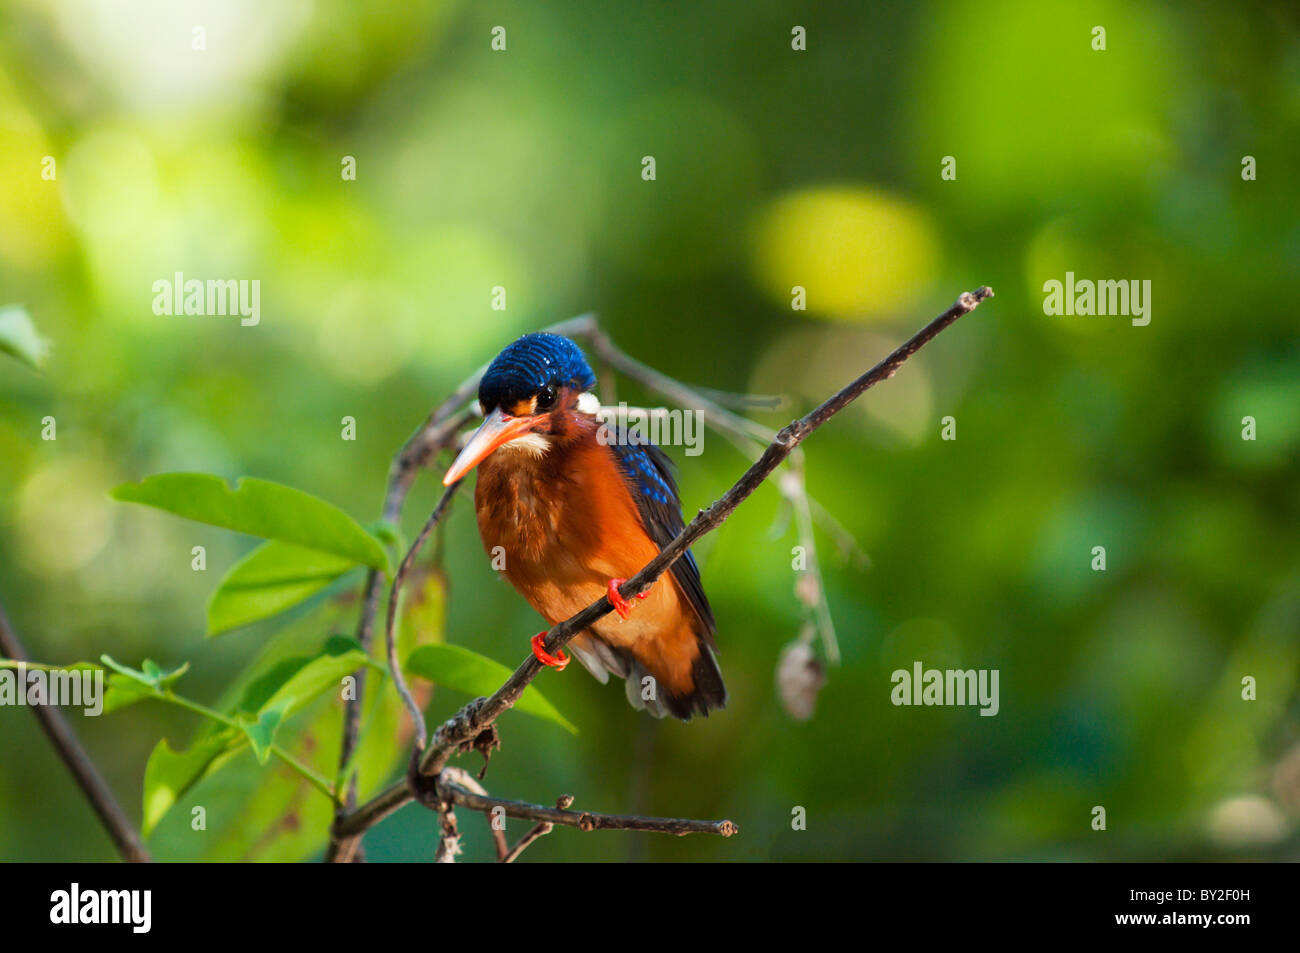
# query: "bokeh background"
775, 168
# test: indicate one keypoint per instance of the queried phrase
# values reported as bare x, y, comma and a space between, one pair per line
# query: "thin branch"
849, 549
449, 838
480, 714
583, 820
394, 667
469, 782
92, 784
538, 830
724, 420
744, 401
750, 438
794, 488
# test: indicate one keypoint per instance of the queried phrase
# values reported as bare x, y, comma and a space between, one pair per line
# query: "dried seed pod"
799, 677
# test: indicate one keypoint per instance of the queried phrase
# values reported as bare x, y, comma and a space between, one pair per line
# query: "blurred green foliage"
522, 169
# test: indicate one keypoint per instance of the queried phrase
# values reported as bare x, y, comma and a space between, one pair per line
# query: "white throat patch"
532, 444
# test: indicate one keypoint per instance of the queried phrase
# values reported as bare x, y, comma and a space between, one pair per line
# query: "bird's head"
529, 394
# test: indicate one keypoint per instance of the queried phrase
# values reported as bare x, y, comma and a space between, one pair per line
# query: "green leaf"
165, 679
261, 733
388, 533
18, 337
269, 813
259, 508
322, 674
259, 691
458, 668
272, 703
123, 691
338, 644
127, 685
126, 670
169, 774
270, 579
152, 675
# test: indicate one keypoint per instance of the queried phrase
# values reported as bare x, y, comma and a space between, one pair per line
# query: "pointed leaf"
169, 774
149, 674
165, 679
133, 674
274, 577
123, 691
18, 337
261, 733
259, 508
456, 667
322, 674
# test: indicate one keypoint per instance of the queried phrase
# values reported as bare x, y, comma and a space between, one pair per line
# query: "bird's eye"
546, 397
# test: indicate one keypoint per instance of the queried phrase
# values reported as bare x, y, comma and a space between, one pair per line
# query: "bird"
577, 506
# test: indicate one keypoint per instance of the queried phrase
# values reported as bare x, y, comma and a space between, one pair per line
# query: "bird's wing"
649, 474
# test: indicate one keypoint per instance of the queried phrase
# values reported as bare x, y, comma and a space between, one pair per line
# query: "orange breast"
566, 523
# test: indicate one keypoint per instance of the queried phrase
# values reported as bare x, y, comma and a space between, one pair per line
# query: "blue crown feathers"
529, 364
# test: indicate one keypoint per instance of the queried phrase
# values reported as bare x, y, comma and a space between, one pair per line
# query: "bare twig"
470, 783
744, 401
811, 588
538, 830
394, 668
449, 839
583, 820
480, 714
92, 784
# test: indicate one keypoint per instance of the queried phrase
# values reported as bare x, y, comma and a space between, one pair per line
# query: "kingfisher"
577, 507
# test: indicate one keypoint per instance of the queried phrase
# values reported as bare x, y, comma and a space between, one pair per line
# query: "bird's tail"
658, 685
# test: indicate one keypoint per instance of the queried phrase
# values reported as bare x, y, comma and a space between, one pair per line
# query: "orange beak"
496, 430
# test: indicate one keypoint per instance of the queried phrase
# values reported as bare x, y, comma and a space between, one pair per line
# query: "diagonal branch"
125, 836
479, 715
750, 438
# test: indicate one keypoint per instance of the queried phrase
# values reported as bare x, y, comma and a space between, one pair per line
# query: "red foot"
556, 662
621, 605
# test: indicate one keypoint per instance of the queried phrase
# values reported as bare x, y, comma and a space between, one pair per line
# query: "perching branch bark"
461, 730
120, 829
582, 820
750, 438
537, 831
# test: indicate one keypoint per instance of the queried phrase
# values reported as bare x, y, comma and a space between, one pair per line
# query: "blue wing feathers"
648, 472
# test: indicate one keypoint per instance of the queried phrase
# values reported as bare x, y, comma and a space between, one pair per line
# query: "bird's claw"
557, 661
621, 605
